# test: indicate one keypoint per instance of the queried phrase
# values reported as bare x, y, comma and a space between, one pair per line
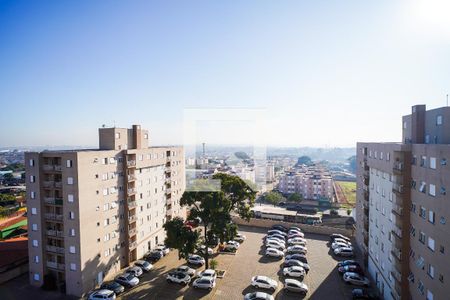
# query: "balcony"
54, 249
397, 232
55, 233
132, 204
48, 183
52, 216
131, 163
53, 201
131, 177
398, 189
397, 275
168, 191
47, 167
132, 218
132, 245
397, 253
398, 168
131, 191
58, 184
397, 209
132, 231
55, 265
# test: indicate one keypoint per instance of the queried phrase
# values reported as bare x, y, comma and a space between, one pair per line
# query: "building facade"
402, 208
93, 212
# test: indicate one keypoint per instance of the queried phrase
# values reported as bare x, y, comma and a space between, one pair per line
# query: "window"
388, 156
422, 237
105, 192
35, 243
69, 163
431, 243
33, 211
432, 190
34, 227
32, 178
117, 135
36, 259
423, 161
31, 162
112, 160
423, 187
443, 161
72, 232
431, 216
442, 220
442, 249
423, 212
36, 277
421, 287
73, 267
146, 136
439, 120
71, 215
33, 195
72, 249
70, 197
69, 180
432, 162
443, 191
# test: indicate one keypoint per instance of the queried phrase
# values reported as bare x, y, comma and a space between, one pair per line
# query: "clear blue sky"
326, 72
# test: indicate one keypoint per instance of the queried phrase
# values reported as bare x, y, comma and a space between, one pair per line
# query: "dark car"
153, 256
117, 288
280, 227
337, 235
364, 294
348, 262
297, 256
351, 268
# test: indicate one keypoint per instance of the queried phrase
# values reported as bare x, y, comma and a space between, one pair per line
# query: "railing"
397, 232
58, 233
132, 204
169, 212
131, 177
168, 191
397, 188
131, 163
397, 209
54, 249
50, 216
398, 167
58, 184
397, 253
132, 218
132, 245
48, 183
55, 265
131, 191
54, 201
47, 167
132, 231
397, 275
57, 167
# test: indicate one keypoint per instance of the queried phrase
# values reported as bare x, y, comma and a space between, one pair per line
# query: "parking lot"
323, 280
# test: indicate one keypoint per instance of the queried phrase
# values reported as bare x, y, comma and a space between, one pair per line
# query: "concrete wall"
13, 273
304, 227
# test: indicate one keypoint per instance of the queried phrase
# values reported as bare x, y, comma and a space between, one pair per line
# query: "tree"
180, 237
304, 160
214, 208
274, 198
214, 264
295, 197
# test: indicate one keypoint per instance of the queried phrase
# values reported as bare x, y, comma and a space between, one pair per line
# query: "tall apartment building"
93, 212
402, 208
311, 182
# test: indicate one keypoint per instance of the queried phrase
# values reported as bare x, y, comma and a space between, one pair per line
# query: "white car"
196, 260
276, 245
297, 241
102, 294
136, 271
295, 228
209, 273
356, 279
264, 282
163, 248
240, 238
341, 240
204, 283
344, 251
275, 231
294, 271
202, 250
178, 277
272, 252
297, 249
276, 239
186, 270
127, 279
295, 286
258, 296
144, 265
234, 243
294, 231
294, 235
336, 245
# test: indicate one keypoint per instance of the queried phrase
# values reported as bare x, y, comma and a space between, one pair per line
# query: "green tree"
180, 237
295, 197
273, 198
214, 264
304, 160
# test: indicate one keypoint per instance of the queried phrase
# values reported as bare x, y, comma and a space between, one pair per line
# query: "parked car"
264, 282
356, 279
240, 238
193, 223
127, 280
294, 271
136, 271
297, 256
296, 235
163, 248
234, 243
229, 248
102, 294
293, 285
344, 251
295, 228
297, 241
202, 248
276, 239
337, 235
364, 294
210, 273
341, 241
297, 249
153, 256
272, 252
274, 244
336, 245
294, 262
258, 296
178, 277
351, 268
196, 260
144, 265
275, 231
204, 283
186, 270
276, 236
348, 262
280, 227
117, 288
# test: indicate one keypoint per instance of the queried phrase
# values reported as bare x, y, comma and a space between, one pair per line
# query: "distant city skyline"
322, 73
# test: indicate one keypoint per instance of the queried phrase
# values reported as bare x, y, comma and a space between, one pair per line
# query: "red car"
192, 223
351, 268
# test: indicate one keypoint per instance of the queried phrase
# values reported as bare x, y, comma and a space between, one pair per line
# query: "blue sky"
327, 73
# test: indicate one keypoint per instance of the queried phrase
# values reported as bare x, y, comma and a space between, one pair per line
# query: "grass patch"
349, 190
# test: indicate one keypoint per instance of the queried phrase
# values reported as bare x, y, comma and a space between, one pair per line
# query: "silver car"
264, 282
136, 271
186, 270
144, 265
127, 279
295, 286
258, 296
204, 283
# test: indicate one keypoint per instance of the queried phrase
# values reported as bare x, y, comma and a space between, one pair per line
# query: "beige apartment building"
93, 212
402, 208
